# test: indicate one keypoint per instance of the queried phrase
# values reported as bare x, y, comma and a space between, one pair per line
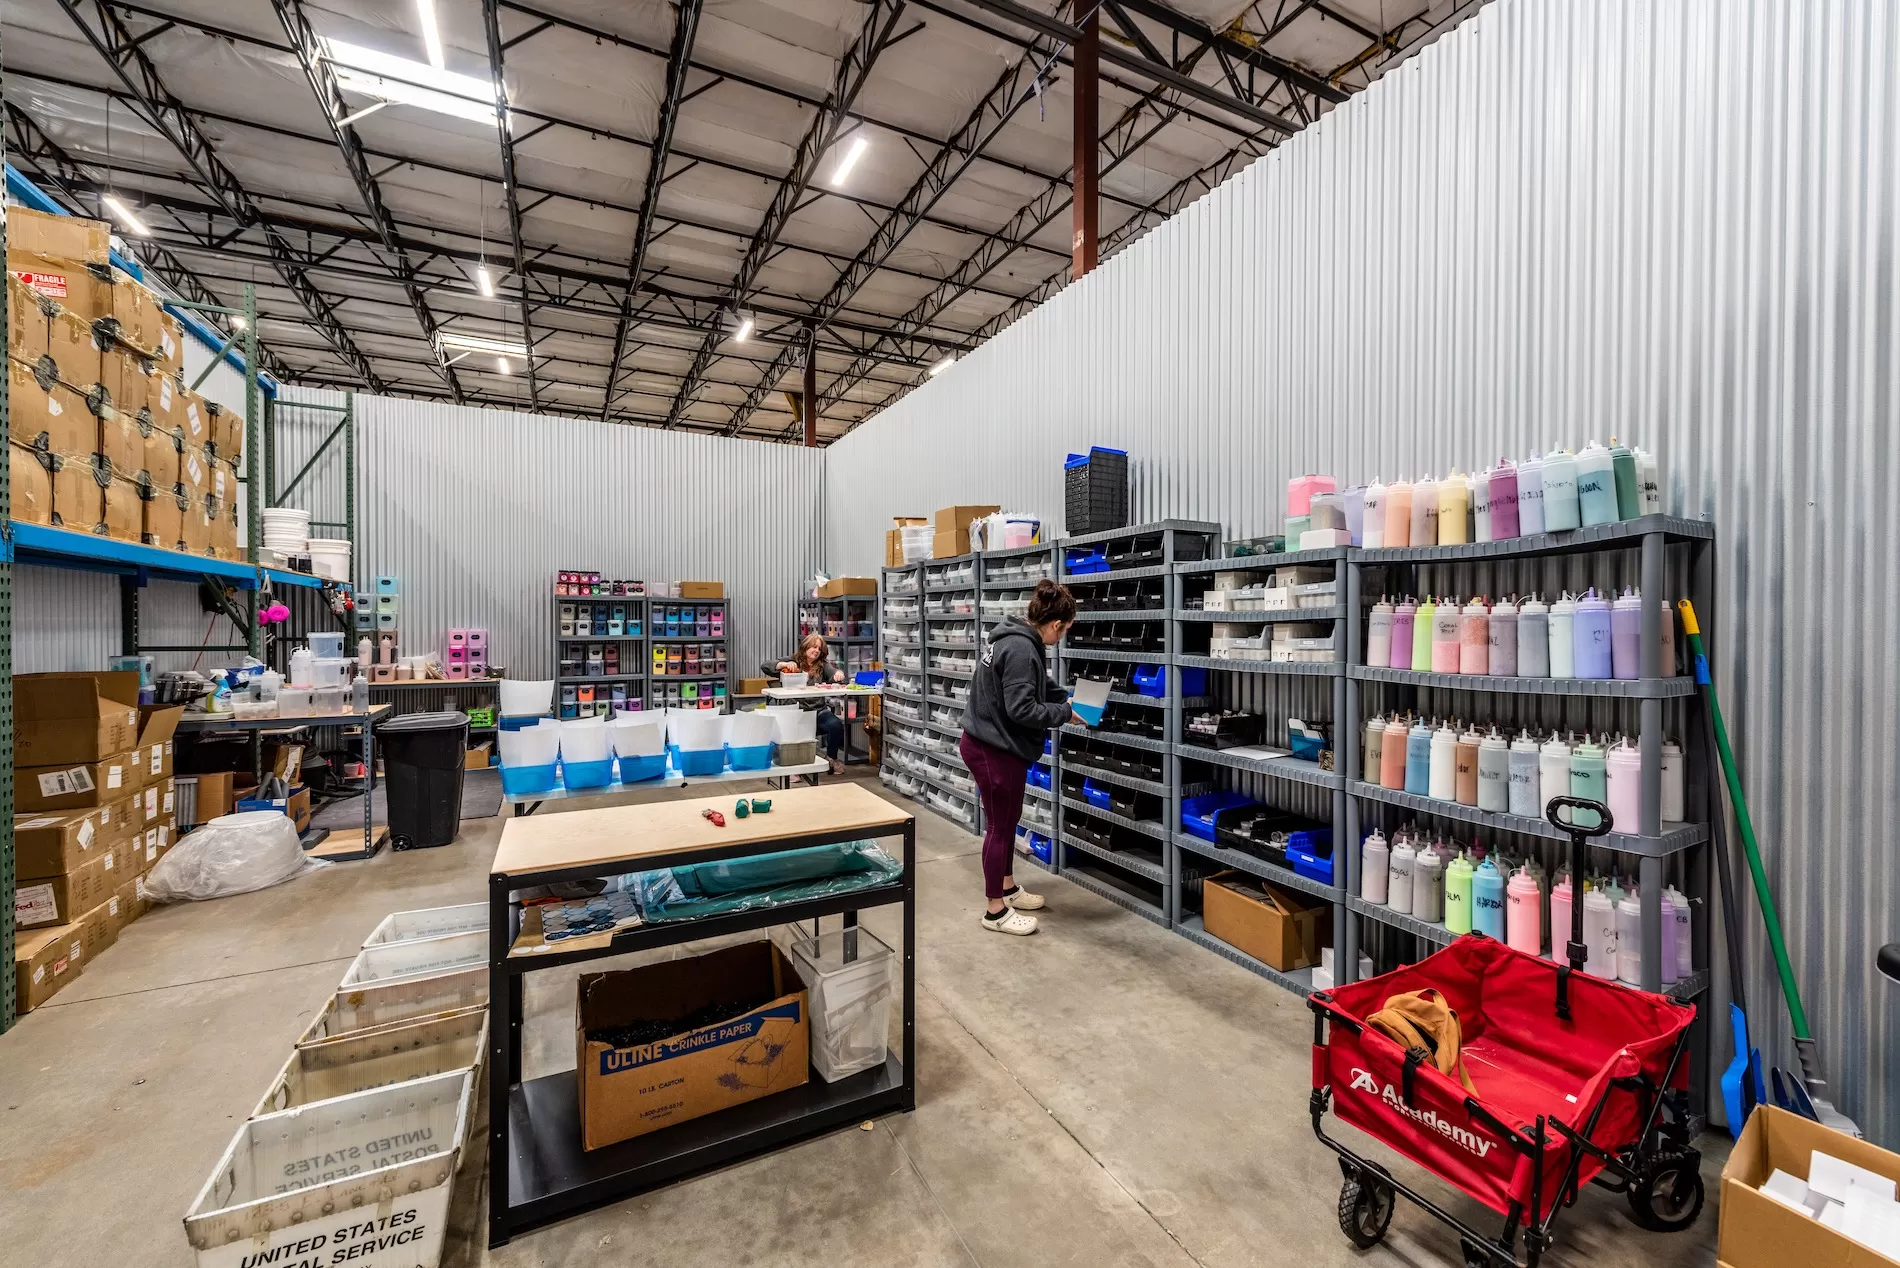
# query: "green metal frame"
7, 1002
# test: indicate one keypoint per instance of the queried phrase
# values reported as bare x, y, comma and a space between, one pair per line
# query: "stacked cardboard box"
96, 810
108, 439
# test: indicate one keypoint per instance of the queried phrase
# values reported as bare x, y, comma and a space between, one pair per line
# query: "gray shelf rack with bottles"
631, 658
1133, 860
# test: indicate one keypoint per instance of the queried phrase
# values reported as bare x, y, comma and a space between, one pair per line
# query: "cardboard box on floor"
477, 757
74, 718
628, 1092
60, 900
75, 787
216, 796
1757, 1231
44, 961
1276, 926
47, 845
154, 753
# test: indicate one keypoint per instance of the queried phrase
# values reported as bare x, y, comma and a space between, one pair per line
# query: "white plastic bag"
234, 854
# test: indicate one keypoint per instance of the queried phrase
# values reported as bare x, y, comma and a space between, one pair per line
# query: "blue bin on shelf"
1084, 560
701, 762
527, 779
637, 770
751, 757
1307, 860
1198, 813
1152, 681
1042, 847
1039, 777
588, 774
1095, 794
869, 678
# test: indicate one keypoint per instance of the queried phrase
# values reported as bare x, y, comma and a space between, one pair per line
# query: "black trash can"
422, 776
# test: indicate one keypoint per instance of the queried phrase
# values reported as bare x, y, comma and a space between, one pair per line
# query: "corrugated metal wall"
474, 510
1673, 221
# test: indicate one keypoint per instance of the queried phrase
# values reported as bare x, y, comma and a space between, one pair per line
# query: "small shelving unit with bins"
692, 635
952, 640
906, 742
1248, 680
1126, 590
1006, 579
849, 622
582, 666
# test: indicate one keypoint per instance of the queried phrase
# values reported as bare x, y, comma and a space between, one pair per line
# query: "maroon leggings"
1000, 780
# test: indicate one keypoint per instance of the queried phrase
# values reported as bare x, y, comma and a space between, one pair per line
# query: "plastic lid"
444, 721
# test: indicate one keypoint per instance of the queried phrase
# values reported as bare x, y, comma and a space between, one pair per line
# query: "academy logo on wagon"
1463, 1137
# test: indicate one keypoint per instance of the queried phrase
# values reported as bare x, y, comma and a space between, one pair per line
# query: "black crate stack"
1095, 488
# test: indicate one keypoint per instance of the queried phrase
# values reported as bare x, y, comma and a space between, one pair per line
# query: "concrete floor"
1104, 1093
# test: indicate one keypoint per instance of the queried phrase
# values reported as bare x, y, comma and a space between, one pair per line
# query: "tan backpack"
1422, 1022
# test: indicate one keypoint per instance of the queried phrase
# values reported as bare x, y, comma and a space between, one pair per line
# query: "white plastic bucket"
638, 734
330, 557
793, 724
531, 746
367, 1177
527, 699
584, 740
751, 729
425, 957
429, 922
376, 1058
696, 730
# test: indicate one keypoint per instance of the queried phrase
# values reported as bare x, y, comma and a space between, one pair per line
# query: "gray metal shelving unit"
659, 636
630, 657
1123, 871
902, 712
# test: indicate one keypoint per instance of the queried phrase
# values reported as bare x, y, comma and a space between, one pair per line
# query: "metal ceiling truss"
63, 174
121, 50
505, 135
1013, 89
678, 62
853, 71
309, 50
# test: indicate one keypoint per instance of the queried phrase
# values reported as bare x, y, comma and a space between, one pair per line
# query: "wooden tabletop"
614, 834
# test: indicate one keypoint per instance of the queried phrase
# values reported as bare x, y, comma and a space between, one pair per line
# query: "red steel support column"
810, 409
1087, 172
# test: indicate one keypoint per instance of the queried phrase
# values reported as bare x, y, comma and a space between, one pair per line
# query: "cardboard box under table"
542, 1160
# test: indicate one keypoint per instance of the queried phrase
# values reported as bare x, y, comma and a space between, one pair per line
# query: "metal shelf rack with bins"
859, 622
630, 651
950, 583
901, 586
1138, 584
658, 640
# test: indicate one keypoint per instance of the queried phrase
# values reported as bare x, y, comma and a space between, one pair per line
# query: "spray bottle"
1399, 654
1398, 894
1524, 777
1422, 634
1629, 480
1474, 638
1530, 496
1372, 518
1467, 767
1626, 635
1487, 900
1524, 913
1428, 885
1494, 773
1444, 767
1563, 615
1379, 633
1562, 510
1458, 878
1591, 637
1454, 504
1533, 639
1553, 771
1398, 514
1374, 860
1446, 618
1425, 512
1596, 486
1418, 759
1502, 653
1505, 495
1392, 753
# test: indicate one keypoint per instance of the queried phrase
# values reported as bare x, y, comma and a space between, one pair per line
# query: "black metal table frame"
644, 1162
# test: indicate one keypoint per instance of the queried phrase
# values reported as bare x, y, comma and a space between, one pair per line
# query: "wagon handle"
1576, 953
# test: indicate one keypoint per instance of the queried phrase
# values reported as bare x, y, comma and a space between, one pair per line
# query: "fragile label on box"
51, 285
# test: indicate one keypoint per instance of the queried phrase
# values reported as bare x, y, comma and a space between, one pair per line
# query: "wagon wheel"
1365, 1209
1667, 1195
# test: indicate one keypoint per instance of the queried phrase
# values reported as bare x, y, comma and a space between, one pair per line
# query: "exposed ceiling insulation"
384, 217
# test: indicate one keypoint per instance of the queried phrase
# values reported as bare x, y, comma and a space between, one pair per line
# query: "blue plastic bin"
522, 723
527, 779
588, 774
702, 762
1197, 813
1095, 794
1084, 560
751, 757
636, 770
1039, 777
1152, 681
1042, 848
1306, 748
1313, 866
869, 678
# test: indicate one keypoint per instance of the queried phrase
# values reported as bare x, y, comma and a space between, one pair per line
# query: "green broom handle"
1797, 1015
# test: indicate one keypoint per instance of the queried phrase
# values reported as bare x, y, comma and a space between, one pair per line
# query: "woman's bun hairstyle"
1051, 602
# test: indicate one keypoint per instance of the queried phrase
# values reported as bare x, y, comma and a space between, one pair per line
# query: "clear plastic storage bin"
848, 977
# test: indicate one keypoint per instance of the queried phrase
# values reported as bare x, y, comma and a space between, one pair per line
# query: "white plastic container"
376, 1058
368, 1175
425, 957
330, 557
429, 922
328, 671
329, 700
794, 680
848, 977
527, 699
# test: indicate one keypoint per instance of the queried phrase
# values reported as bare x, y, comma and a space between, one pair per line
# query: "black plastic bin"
422, 756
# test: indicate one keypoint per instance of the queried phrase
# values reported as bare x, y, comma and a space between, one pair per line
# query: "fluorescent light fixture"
447, 340
237, 323
941, 366
431, 37
412, 83
126, 218
501, 363
851, 156
485, 281
364, 113
744, 332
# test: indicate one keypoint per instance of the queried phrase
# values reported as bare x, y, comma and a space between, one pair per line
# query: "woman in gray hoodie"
1014, 704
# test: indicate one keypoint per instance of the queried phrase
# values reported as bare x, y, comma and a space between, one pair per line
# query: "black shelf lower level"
550, 1175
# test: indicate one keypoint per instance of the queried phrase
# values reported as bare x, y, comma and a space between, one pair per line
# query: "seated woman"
813, 657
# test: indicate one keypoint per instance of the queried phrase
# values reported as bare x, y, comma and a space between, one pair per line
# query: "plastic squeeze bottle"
1446, 618
1374, 858
1592, 636
1530, 496
1670, 951
1626, 635
1467, 771
1562, 510
1479, 499
1474, 638
1398, 514
1399, 655
1504, 501
1524, 777
1444, 768
1629, 939
1422, 624
1685, 925
1372, 517
1379, 633
1623, 779
1392, 755
1672, 785
1454, 504
1375, 749
1563, 615
359, 694
1629, 481
1596, 486
1651, 472
1487, 900
1587, 779
1524, 913
1494, 773
1418, 759
1599, 934
1553, 771
1560, 919
1425, 512
1354, 500
1533, 639
1458, 874
1502, 653
1428, 885
1398, 894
